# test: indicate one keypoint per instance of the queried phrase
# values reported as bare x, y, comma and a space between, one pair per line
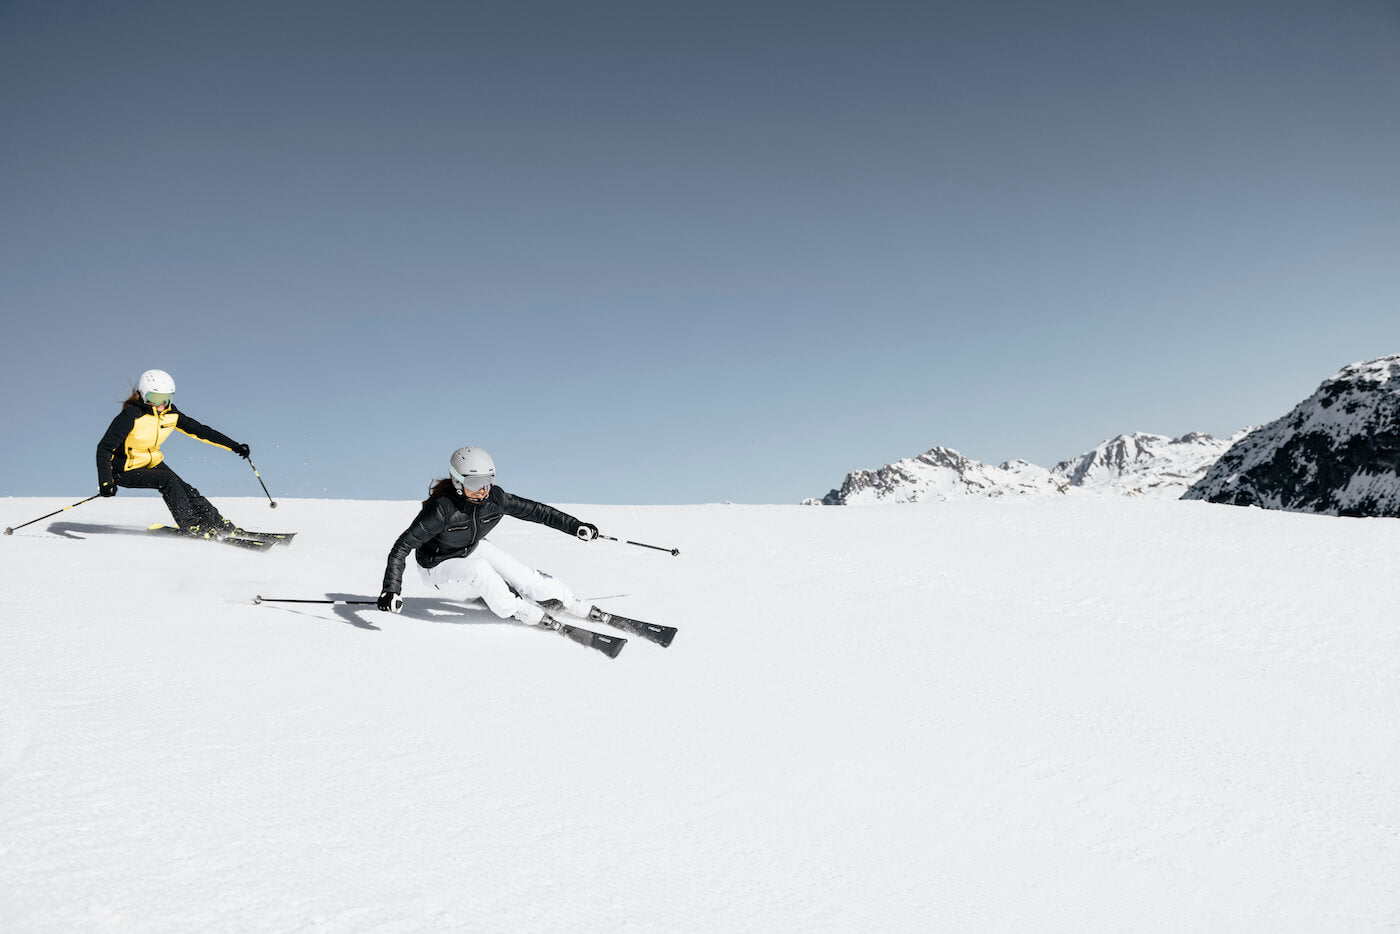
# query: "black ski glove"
242, 450
107, 488
390, 602
587, 531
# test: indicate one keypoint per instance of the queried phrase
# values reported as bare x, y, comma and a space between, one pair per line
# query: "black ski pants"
187, 507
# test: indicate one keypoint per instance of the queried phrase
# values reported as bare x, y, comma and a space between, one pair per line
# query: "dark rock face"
1337, 453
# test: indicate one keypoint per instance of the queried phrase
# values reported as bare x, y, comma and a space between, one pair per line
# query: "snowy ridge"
936, 475
1138, 464
1144, 464
1337, 452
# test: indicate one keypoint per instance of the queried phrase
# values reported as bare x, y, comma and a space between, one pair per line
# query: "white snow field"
1078, 715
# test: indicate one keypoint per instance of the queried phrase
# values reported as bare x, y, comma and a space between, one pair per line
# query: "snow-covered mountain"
938, 474
1144, 464
1337, 452
1138, 464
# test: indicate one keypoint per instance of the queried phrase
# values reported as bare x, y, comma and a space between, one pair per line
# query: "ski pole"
261, 599
674, 551
11, 531
271, 503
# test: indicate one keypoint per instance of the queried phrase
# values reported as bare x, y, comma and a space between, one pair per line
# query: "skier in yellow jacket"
129, 454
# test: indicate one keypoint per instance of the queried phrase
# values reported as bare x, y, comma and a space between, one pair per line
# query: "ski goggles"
470, 484
159, 398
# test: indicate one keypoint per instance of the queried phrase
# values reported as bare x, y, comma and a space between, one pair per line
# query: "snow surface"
1021, 714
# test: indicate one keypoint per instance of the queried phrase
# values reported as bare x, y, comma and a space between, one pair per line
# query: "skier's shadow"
429, 609
79, 530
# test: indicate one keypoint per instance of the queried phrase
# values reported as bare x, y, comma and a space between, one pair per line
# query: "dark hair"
439, 489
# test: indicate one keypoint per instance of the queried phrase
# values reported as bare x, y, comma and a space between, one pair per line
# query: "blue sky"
662, 253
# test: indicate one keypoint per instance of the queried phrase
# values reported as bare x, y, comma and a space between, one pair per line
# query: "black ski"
652, 632
272, 538
251, 544
608, 645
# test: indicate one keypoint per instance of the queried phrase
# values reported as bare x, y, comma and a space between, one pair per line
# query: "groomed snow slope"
1069, 714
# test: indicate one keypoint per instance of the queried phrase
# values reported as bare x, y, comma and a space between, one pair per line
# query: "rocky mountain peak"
1337, 452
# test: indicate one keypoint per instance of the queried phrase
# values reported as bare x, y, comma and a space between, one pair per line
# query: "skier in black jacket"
453, 555
129, 454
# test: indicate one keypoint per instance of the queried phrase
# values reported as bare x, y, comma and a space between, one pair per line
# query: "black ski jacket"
450, 526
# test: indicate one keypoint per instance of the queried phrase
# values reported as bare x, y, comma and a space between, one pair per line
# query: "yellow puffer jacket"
133, 440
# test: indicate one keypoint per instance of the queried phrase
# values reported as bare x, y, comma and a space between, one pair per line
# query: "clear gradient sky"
652, 252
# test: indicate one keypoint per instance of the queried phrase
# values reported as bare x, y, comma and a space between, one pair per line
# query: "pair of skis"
609, 645
239, 538
652, 632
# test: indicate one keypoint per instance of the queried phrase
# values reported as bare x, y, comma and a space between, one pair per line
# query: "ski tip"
610, 646
664, 637
607, 644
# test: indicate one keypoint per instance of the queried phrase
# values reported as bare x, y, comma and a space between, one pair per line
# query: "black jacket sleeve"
203, 432
112, 442
430, 522
531, 511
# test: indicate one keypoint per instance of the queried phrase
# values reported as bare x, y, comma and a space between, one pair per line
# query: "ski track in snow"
991, 715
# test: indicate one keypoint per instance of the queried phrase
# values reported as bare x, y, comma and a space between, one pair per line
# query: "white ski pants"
490, 573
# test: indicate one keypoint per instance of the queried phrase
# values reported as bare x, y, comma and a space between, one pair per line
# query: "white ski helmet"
471, 469
155, 381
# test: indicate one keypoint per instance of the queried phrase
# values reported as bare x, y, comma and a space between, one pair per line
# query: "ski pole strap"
261, 599
674, 551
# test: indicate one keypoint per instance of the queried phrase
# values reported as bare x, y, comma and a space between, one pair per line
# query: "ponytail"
439, 489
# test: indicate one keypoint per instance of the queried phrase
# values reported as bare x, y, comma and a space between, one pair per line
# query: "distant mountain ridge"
1137, 464
1143, 464
1336, 453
